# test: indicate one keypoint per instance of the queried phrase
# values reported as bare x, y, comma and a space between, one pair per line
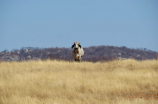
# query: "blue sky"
58, 23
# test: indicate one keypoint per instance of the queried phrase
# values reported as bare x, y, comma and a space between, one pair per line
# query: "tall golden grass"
62, 82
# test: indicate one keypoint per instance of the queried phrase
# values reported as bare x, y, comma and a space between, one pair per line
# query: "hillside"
94, 53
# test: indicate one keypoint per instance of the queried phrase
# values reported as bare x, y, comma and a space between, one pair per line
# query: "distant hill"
93, 53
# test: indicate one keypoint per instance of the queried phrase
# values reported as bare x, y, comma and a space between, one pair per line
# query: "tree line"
93, 54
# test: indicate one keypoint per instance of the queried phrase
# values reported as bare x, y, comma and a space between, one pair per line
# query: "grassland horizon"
63, 82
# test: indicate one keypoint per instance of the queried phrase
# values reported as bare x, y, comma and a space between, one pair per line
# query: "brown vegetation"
63, 82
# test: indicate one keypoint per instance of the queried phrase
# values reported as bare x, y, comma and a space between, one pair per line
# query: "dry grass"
61, 82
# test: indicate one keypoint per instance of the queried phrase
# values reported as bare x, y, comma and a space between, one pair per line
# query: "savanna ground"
63, 82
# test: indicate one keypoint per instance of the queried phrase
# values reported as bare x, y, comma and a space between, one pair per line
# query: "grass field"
63, 82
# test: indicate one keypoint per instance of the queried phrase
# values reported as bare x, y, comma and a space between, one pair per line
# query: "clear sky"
58, 23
